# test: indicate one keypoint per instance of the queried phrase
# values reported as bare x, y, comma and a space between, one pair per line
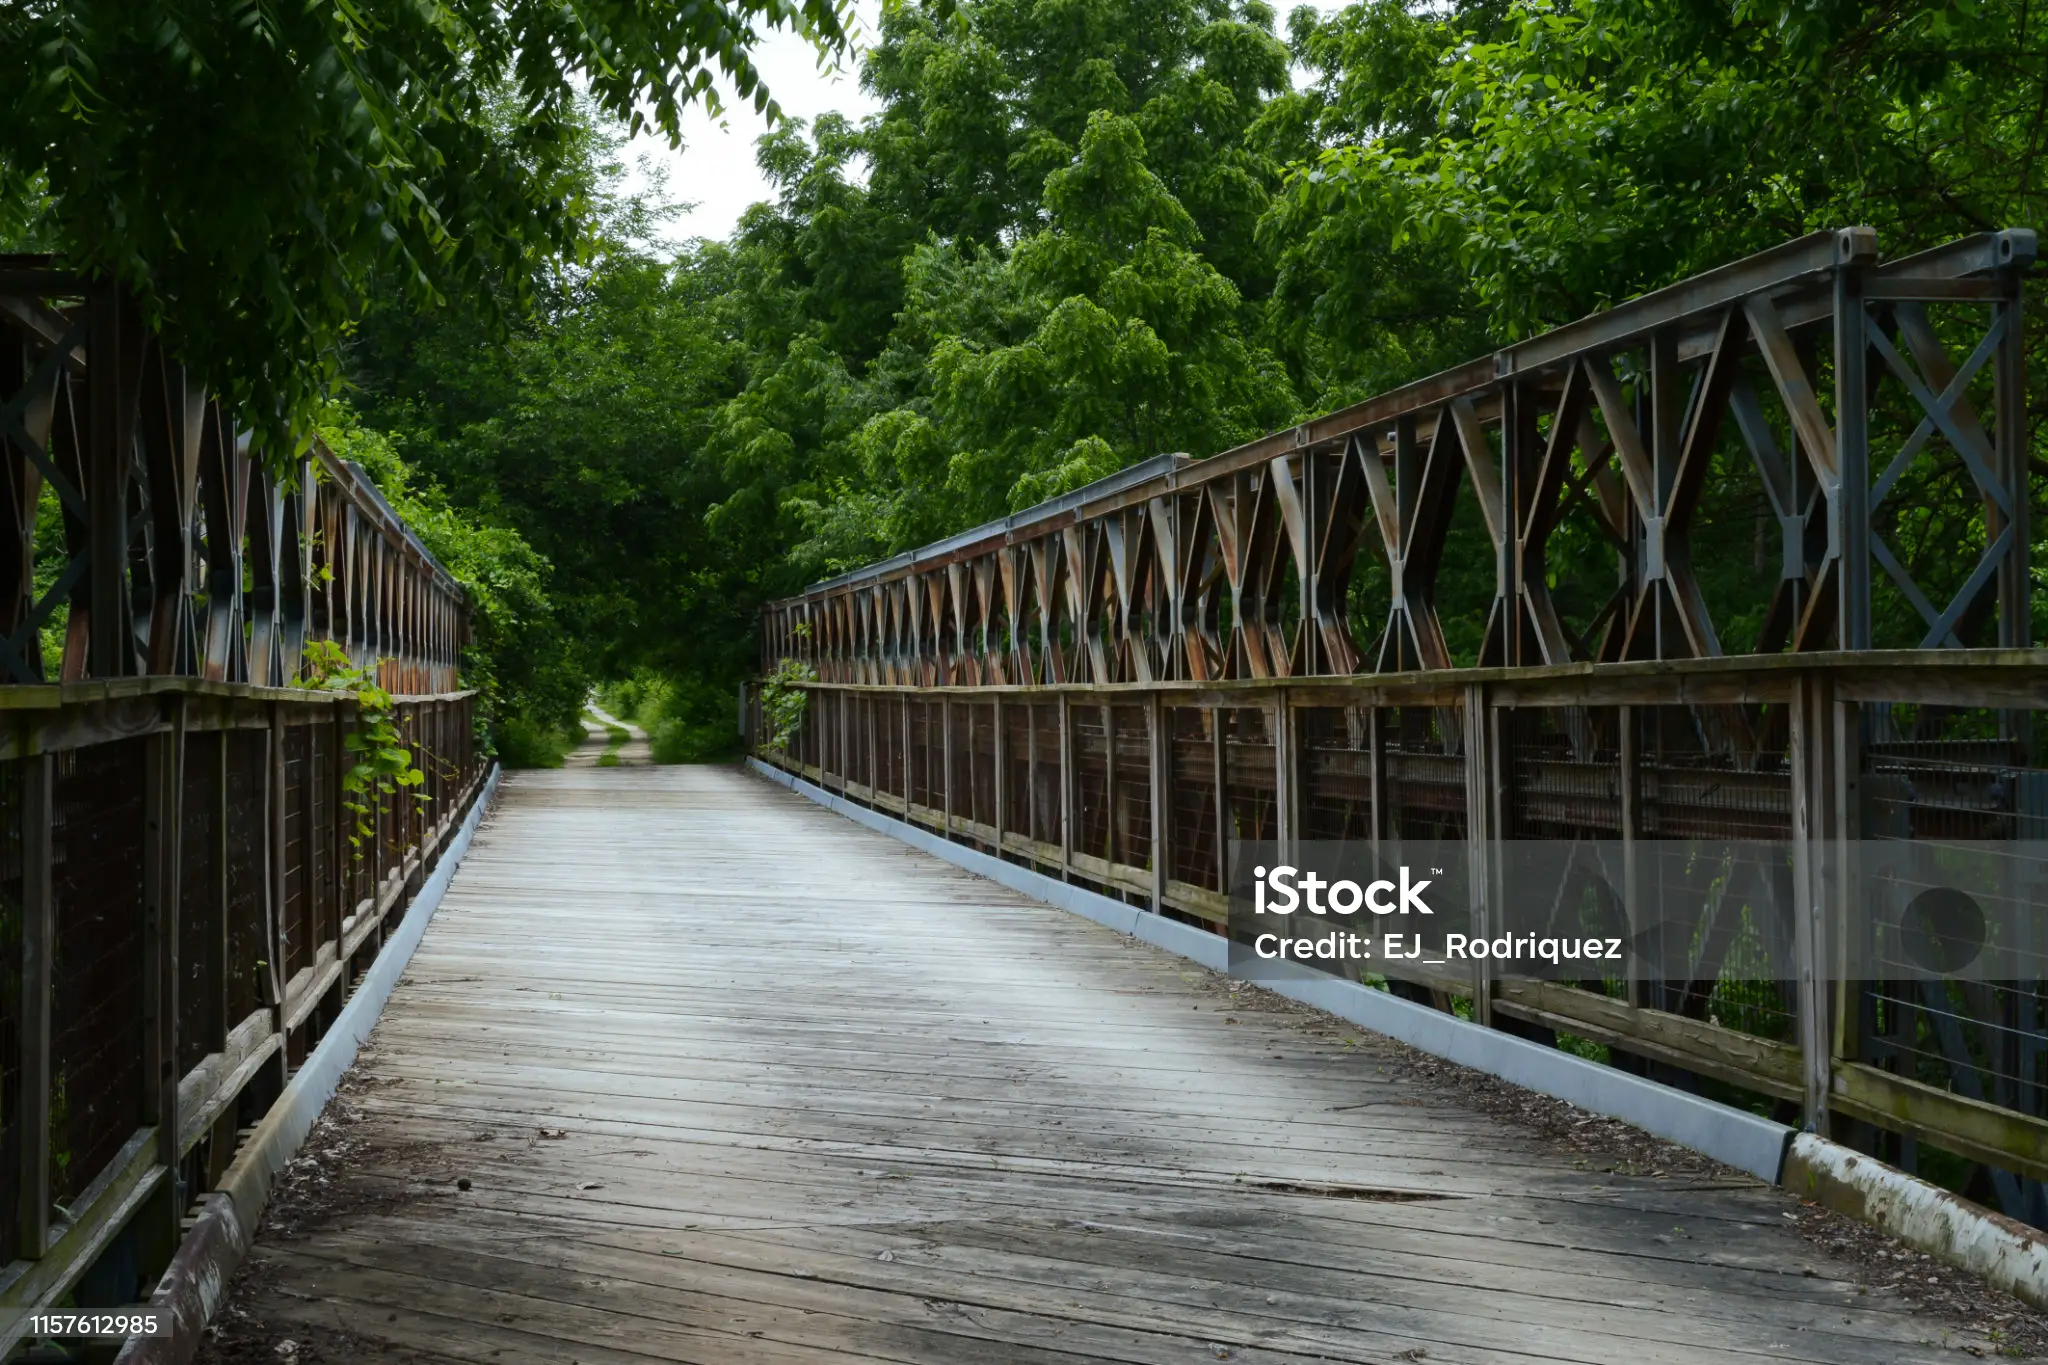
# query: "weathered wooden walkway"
734, 1081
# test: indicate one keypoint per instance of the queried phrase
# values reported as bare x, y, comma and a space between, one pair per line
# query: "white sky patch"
715, 170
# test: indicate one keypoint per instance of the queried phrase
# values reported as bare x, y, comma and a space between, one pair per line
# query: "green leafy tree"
249, 170
1137, 350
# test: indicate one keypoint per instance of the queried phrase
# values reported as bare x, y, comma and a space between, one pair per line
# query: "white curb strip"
2004, 1251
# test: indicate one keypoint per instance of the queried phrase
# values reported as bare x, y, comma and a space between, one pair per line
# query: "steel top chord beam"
1763, 385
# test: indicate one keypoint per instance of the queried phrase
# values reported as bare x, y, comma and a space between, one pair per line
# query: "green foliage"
518, 657
249, 169
526, 743
862, 368
638, 698
785, 702
1079, 235
687, 719
382, 765
582, 431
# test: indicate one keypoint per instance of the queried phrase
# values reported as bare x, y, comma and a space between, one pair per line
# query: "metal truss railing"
1867, 417
129, 504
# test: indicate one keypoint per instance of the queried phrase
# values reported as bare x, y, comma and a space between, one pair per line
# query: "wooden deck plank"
808, 1095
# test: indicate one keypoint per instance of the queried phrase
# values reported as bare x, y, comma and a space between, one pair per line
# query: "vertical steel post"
1667, 400
115, 352
1479, 836
1376, 776
2009, 377
1635, 902
1813, 757
1843, 945
1850, 518
1285, 812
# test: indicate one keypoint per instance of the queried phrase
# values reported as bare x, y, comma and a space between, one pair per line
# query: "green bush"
686, 721
639, 699
525, 743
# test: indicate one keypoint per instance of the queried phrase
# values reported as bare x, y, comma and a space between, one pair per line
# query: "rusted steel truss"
1833, 371
168, 550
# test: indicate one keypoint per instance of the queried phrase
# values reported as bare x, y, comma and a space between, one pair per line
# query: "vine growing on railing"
382, 760
785, 702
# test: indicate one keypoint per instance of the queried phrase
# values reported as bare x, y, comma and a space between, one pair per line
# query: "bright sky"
715, 170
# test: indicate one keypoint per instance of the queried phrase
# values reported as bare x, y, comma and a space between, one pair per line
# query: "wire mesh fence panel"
859, 731
1045, 773
1195, 752
96, 1001
959, 792
926, 746
1941, 772
412, 812
1711, 776
1714, 772
1561, 779
1339, 789
397, 827
296, 921
838, 735
10, 1005
849, 739
1425, 772
845, 766
1131, 789
1561, 766
1964, 786
1019, 758
1092, 756
983, 740
322, 862
1705, 899
884, 736
1251, 780
199, 901
429, 740
248, 952
788, 731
